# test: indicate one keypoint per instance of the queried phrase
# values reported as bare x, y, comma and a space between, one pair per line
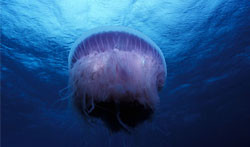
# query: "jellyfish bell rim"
97, 30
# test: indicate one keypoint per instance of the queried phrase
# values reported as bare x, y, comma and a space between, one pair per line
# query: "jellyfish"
115, 74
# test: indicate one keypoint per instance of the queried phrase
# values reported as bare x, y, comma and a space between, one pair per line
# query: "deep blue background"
206, 44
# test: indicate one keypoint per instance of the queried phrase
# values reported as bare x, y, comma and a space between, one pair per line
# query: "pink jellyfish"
115, 74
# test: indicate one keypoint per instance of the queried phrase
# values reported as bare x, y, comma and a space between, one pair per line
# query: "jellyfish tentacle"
121, 122
84, 105
92, 107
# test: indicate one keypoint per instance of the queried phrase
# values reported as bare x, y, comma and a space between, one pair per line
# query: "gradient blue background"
206, 44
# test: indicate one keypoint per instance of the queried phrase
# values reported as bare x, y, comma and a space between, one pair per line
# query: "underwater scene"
125, 73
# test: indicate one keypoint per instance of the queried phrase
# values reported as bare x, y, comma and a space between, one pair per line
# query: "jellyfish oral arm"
117, 73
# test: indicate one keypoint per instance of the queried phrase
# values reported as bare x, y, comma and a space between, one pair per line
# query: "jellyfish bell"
116, 73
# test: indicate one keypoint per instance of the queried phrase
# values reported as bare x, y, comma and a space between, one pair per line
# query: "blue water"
206, 44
